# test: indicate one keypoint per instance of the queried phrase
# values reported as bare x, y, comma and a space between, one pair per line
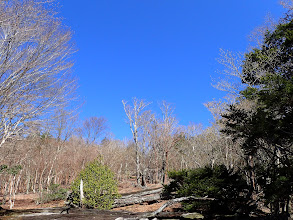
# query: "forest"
243, 160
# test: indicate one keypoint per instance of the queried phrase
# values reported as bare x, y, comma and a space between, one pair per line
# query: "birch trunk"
81, 192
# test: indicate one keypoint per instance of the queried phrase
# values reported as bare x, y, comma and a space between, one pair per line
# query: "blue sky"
156, 50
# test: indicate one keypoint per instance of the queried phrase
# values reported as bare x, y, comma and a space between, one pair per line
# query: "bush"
228, 188
99, 186
55, 193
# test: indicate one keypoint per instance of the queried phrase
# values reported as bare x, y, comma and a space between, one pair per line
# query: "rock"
120, 218
193, 215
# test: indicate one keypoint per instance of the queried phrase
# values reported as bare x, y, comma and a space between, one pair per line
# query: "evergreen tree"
266, 129
100, 186
228, 187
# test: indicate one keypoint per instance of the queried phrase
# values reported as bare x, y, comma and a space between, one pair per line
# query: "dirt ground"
26, 208
29, 201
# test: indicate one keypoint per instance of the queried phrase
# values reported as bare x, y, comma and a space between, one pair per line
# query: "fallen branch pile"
171, 202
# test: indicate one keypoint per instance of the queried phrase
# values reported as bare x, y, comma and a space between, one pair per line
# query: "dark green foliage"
54, 193
227, 187
266, 130
3, 167
13, 170
100, 186
277, 185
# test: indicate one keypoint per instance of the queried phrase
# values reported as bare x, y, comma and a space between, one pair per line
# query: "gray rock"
193, 215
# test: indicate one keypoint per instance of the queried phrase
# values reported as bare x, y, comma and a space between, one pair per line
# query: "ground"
29, 201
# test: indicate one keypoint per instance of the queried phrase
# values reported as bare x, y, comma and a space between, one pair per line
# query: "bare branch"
35, 77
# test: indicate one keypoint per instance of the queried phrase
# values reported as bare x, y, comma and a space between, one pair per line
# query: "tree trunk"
81, 192
137, 198
164, 167
138, 173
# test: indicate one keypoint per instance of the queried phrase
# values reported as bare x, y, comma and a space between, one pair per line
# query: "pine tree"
266, 129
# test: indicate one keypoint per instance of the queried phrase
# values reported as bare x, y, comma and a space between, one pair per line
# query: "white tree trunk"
81, 192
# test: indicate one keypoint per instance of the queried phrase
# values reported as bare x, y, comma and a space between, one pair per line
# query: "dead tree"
135, 118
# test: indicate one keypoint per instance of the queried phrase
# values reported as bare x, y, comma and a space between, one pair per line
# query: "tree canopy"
265, 129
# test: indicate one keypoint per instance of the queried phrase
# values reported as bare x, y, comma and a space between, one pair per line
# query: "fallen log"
144, 193
136, 200
139, 197
176, 200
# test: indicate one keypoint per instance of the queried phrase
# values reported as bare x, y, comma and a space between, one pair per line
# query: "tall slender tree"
135, 118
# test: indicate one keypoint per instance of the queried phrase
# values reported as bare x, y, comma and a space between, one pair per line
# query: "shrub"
54, 193
99, 186
228, 188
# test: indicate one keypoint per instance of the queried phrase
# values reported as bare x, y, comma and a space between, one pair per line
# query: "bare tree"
288, 4
162, 138
168, 130
35, 77
233, 77
135, 118
92, 129
256, 37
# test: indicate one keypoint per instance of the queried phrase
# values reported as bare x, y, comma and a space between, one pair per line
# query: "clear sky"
156, 50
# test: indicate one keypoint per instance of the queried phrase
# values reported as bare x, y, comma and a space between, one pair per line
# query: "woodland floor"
28, 202
26, 207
